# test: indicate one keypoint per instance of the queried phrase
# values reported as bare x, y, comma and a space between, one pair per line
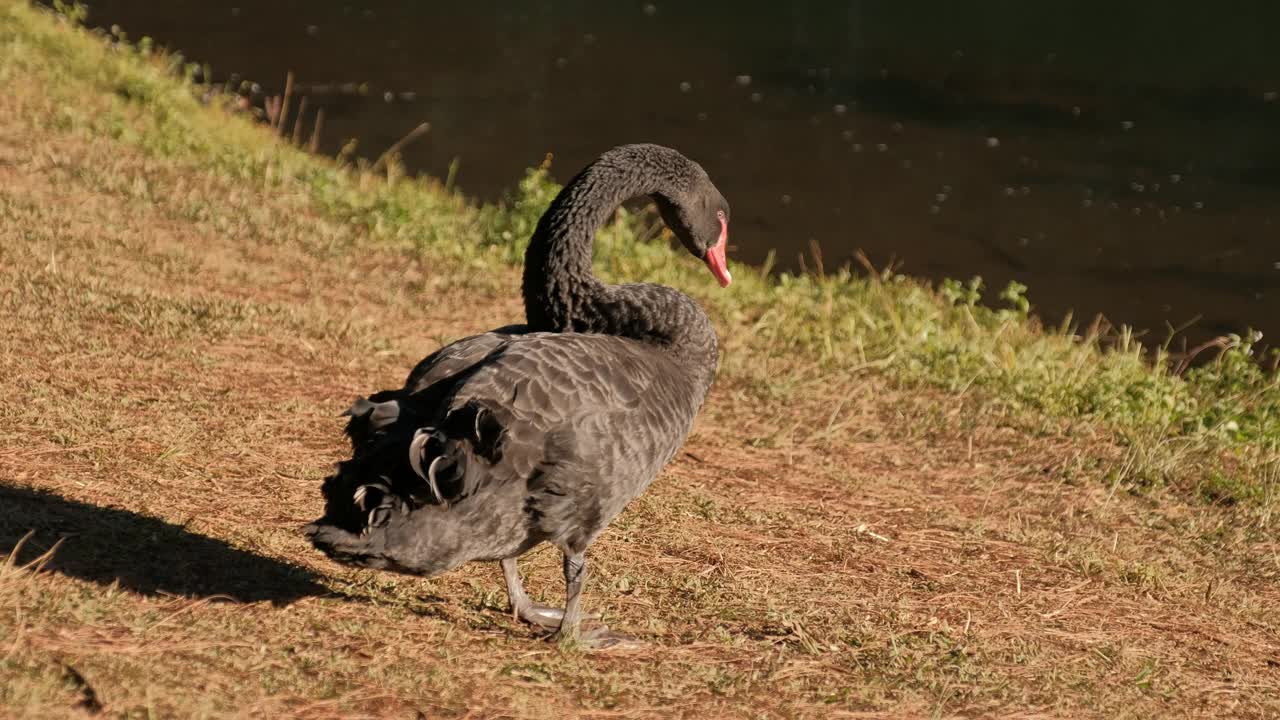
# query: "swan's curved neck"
559, 284
562, 293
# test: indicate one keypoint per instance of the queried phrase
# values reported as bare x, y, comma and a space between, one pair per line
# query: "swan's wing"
373, 416
522, 405
558, 403
537, 415
459, 356
546, 378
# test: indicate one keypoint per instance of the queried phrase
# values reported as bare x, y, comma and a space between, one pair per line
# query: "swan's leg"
522, 607
594, 635
575, 574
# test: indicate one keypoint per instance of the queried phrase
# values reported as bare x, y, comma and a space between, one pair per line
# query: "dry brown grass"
176, 347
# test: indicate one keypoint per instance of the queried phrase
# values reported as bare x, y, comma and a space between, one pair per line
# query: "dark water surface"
1121, 158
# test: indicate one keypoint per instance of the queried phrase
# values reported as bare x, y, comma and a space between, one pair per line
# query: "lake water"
1117, 158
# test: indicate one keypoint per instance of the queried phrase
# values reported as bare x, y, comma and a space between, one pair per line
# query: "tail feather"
402, 459
370, 418
347, 547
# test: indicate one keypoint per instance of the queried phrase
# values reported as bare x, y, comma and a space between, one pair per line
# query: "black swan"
540, 432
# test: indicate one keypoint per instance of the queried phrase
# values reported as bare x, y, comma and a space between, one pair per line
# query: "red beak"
715, 256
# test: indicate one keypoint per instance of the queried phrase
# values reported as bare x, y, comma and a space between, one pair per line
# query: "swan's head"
700, 218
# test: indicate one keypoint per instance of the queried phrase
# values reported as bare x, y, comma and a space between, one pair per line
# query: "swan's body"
542, 432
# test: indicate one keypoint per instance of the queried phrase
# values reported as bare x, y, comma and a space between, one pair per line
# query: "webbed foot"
597, 636
545, 616
541, 615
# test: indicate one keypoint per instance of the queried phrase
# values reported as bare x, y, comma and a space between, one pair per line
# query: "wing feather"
551, 414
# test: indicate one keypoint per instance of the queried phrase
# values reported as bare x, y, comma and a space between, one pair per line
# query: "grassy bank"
898, 500
846, 324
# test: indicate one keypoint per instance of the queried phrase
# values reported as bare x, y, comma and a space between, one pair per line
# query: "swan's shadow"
144, 554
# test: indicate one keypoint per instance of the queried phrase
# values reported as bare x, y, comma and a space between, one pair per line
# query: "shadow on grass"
144, 554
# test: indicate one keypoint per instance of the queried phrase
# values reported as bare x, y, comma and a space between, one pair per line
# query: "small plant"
956, 293
74, 12
1015, 293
